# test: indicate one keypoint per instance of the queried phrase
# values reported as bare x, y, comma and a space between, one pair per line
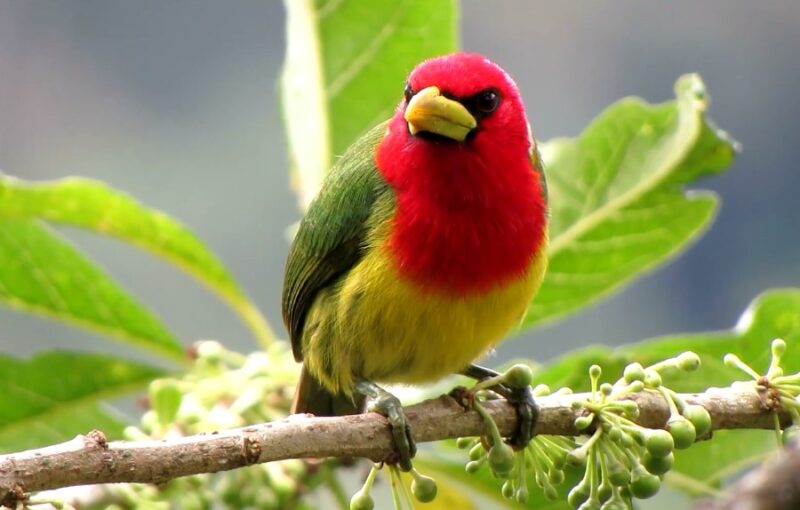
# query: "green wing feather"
331, 236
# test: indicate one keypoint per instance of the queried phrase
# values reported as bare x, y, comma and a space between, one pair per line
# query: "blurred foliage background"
176, 103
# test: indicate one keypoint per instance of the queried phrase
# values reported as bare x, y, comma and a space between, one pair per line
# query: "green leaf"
41, 273
94, 206
346, 64
773, 314
53, 396
618, 203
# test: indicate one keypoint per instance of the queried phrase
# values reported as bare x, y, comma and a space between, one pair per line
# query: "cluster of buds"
621, 459
223, 389
422, 488
543, 460
778, 391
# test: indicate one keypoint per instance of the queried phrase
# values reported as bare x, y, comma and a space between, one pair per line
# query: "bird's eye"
487, 101
408, 92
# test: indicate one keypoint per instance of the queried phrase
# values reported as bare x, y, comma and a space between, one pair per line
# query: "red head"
471, 209
485, 91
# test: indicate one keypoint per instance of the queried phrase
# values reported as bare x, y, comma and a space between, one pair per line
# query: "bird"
423, 248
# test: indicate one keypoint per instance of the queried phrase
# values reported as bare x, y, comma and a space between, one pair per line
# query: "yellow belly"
376, 325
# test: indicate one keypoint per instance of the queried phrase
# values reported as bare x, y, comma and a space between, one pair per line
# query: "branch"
90, 459
774, 486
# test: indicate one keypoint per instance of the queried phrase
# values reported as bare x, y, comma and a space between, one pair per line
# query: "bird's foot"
520, 397
383, 402
528, 411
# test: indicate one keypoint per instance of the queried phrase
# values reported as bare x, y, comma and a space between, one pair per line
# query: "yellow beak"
429, 111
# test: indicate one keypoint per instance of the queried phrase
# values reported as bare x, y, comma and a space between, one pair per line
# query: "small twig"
90, 459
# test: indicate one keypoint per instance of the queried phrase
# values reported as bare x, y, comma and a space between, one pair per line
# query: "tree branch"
774, 486
90, 459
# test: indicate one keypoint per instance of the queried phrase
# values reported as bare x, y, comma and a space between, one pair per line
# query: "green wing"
331, 236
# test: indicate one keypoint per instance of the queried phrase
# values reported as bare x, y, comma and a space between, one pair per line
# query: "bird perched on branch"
423, 248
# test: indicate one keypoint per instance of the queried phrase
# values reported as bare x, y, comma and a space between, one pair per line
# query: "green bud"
688, 361
472, 467
550, 493
361, 500
476, 452
618, 474
658, 465
636, 386
583, 422
578, 495
559, 459
682, 431
659, 443
633, 372
508, 489
501, 459
699, 418
595, 371
423, 487
731, 360
518, 376
540, 390
606, 389
462, 443
615, 434
645, 485
635, 435
626, 441
778, 348
522, 494
555, 476
604, 491
210, 351
652, 378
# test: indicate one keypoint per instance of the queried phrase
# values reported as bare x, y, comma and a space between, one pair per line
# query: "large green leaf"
345, 68
56, 395
618, 203
774, 314
92, 205
41, 273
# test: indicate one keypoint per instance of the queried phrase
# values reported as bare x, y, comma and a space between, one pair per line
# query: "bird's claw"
390, 406
521, 398
528, 412
383, 402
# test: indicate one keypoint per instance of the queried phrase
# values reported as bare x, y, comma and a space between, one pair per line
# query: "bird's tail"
311, 397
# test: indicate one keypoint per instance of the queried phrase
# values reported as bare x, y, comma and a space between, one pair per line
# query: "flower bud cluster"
542, 461
222, 389
779, 391
423, 489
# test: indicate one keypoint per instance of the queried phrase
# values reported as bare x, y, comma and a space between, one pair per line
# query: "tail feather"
311, 397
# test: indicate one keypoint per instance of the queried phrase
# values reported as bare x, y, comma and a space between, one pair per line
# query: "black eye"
408, 92
487, 101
